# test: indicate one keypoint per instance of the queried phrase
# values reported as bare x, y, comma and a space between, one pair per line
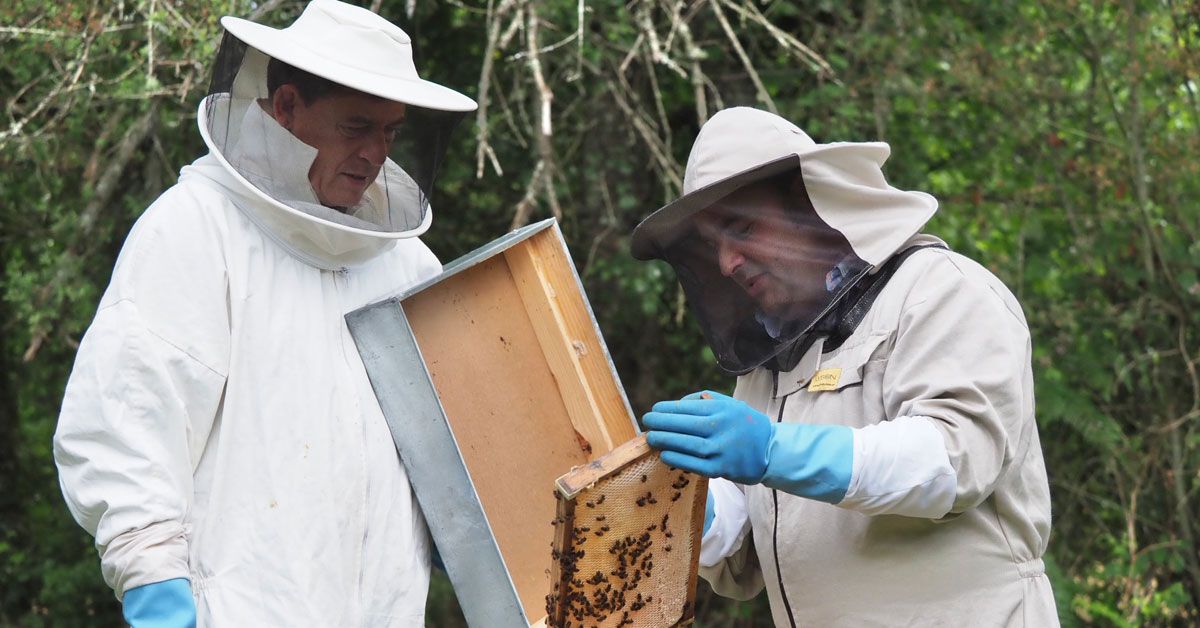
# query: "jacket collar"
277, 197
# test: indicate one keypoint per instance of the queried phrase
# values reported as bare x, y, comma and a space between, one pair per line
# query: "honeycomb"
626, 542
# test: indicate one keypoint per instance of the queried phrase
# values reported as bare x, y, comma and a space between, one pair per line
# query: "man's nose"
729, 258
375, 148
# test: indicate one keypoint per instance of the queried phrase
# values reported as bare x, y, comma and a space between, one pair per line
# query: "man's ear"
283, 104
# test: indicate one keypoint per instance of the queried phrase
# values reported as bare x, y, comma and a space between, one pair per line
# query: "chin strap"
840, 323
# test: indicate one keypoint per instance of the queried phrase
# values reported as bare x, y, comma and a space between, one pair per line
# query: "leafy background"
1061, 138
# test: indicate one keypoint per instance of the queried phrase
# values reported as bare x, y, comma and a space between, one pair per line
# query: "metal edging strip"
437, 471
480, 254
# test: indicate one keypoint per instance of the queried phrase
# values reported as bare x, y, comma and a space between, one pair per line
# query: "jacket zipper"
340, 281
775, 531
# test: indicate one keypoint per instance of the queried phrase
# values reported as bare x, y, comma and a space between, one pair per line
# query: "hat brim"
277, 44
662, 228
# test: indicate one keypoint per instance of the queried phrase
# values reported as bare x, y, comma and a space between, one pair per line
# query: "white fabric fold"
266, 176
277, 163
156, 553
901, 467
730, 524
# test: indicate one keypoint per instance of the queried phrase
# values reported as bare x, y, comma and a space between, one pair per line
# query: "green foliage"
1060, 138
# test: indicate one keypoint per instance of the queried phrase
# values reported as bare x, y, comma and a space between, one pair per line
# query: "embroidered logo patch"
825, 379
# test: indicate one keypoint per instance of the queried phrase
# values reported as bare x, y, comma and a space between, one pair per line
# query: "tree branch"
545, 102
105, 189
741, 53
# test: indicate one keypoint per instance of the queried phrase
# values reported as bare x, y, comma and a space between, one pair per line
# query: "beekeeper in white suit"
219, 436
880, 458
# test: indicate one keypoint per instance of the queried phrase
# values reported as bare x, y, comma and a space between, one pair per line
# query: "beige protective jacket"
945, 344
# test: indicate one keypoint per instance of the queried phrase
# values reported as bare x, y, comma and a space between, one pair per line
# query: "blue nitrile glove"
166, 604
719, 436
715, 437
709, 513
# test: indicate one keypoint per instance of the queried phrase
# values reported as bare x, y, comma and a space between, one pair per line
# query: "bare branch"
263, 9
741, 53
579, 11
19, 31
183, 21
106, 188
92, 170
815, 61
632, 54
66, 84
544, 49
150, 44
661, 153
610, 223
663, 124
695, 73
517, 22
483, 148
525, 206
545, 104
656, 50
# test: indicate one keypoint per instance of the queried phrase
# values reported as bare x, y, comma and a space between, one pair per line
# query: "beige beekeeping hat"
844, 181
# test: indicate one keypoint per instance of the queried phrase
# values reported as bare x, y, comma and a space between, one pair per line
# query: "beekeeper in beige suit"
881, 465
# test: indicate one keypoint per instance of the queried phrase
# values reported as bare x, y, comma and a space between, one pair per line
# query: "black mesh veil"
394, 196
760, 268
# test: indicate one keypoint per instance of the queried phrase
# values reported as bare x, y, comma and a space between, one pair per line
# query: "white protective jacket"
219, 426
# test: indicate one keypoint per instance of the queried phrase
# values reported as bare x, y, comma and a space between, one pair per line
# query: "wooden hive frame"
626, 543
495, 380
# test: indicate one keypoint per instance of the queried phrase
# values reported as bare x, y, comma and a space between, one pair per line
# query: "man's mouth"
359, 179
753, 284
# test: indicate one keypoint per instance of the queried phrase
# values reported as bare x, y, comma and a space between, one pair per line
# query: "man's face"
777, 250
352, 133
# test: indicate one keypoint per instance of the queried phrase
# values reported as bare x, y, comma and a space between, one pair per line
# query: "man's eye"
354, 131
740, 228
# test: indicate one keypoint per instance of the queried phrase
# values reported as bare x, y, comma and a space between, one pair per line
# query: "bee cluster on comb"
626, 542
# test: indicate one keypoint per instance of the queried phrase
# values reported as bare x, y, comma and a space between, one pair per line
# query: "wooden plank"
581, 477
698, 504
564, 523
548, 285
504, 409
